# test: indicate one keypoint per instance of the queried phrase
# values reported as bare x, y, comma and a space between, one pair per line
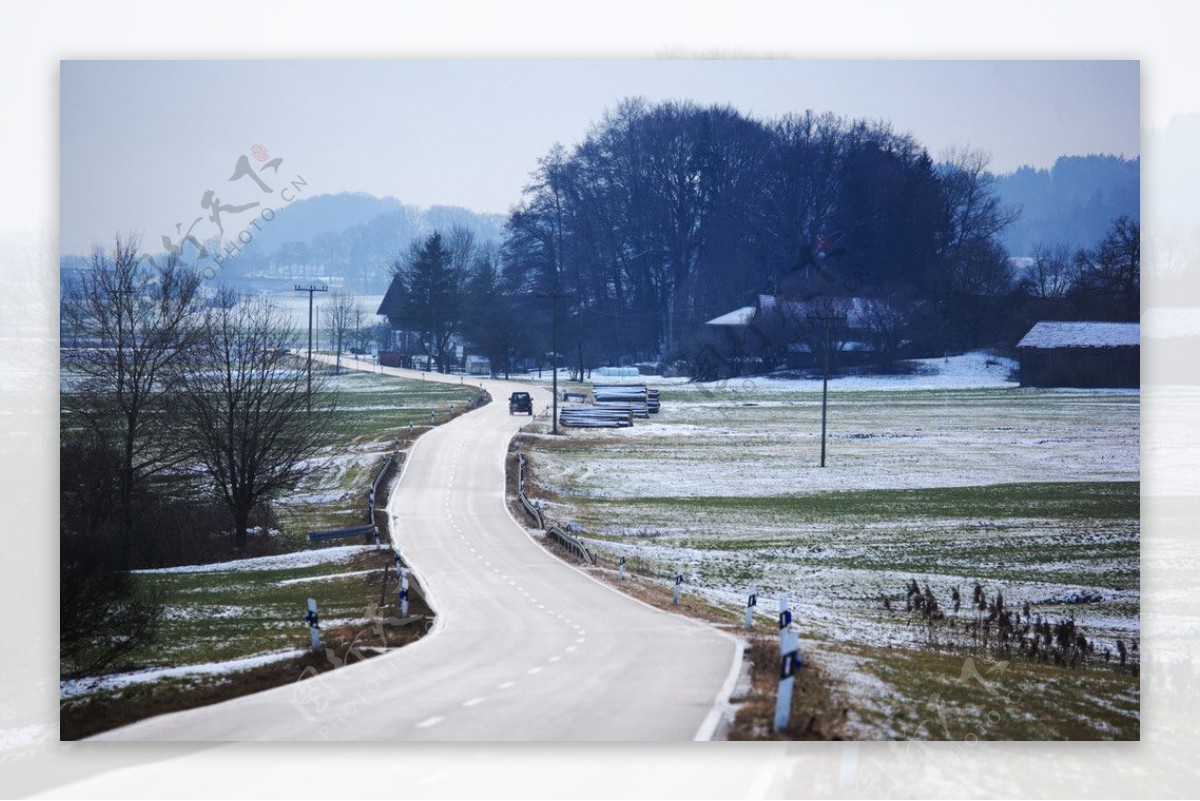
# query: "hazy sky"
143, 141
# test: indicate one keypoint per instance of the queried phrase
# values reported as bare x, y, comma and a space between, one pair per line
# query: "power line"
554, 296
310, 289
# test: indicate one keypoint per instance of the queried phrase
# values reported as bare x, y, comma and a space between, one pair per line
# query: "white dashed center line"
473, 702
433, 721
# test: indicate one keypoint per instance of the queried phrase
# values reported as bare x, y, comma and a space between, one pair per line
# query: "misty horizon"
469, 134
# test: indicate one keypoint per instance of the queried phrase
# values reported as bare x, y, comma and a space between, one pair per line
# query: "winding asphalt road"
525, 647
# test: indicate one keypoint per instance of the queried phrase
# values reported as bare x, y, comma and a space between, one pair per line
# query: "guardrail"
570, 543
553, 532
530, 509
370, 530
383, 471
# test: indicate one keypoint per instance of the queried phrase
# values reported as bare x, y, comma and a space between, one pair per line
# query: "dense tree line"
1072, 203
665, 216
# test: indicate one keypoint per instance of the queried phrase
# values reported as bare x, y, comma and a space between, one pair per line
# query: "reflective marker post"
621, 569
402, 578
403, 592
789, 663
314, 624
678, 584
751, 602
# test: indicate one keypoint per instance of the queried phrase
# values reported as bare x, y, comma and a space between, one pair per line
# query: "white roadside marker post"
621, 569
314, 624
403, 593
751, 602
678, 584
789, 662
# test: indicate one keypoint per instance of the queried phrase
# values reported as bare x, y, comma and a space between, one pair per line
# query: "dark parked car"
520, 403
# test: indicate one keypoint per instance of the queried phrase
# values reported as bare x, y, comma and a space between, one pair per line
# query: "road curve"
525, 647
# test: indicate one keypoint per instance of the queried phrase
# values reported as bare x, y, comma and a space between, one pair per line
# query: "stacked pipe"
594, 417
625, 397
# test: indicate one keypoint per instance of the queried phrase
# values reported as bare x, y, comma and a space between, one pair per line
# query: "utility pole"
554, 296
827, 317
310, 289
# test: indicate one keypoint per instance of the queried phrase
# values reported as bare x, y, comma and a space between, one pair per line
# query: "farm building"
788, 330
1080, 354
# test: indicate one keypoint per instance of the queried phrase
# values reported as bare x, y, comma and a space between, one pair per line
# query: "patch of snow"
316, 498
190, 613
974, 370
283, 561
330, 577
77, 687
1048, 334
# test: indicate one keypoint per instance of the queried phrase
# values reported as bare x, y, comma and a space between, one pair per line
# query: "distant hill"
352, 235
304, 219
356, 235
1072, 203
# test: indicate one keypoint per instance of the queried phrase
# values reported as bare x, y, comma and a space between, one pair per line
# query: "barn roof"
855, 310
1050, 335
390, 305
736, 317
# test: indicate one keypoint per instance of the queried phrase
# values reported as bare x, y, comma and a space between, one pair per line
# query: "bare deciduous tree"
1052, 273
884, 321
341, 316
130, 322
246, 401
1110, 274
974, 210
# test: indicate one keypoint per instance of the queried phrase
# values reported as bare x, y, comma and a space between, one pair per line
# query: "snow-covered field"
949, 475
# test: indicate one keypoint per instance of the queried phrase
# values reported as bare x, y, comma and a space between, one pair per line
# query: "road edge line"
708, 727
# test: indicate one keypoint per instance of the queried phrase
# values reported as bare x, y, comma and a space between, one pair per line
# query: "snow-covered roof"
1081, 335
855, 310
740, 316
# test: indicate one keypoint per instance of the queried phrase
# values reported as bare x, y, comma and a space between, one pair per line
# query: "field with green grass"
374, 414
1030, 493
